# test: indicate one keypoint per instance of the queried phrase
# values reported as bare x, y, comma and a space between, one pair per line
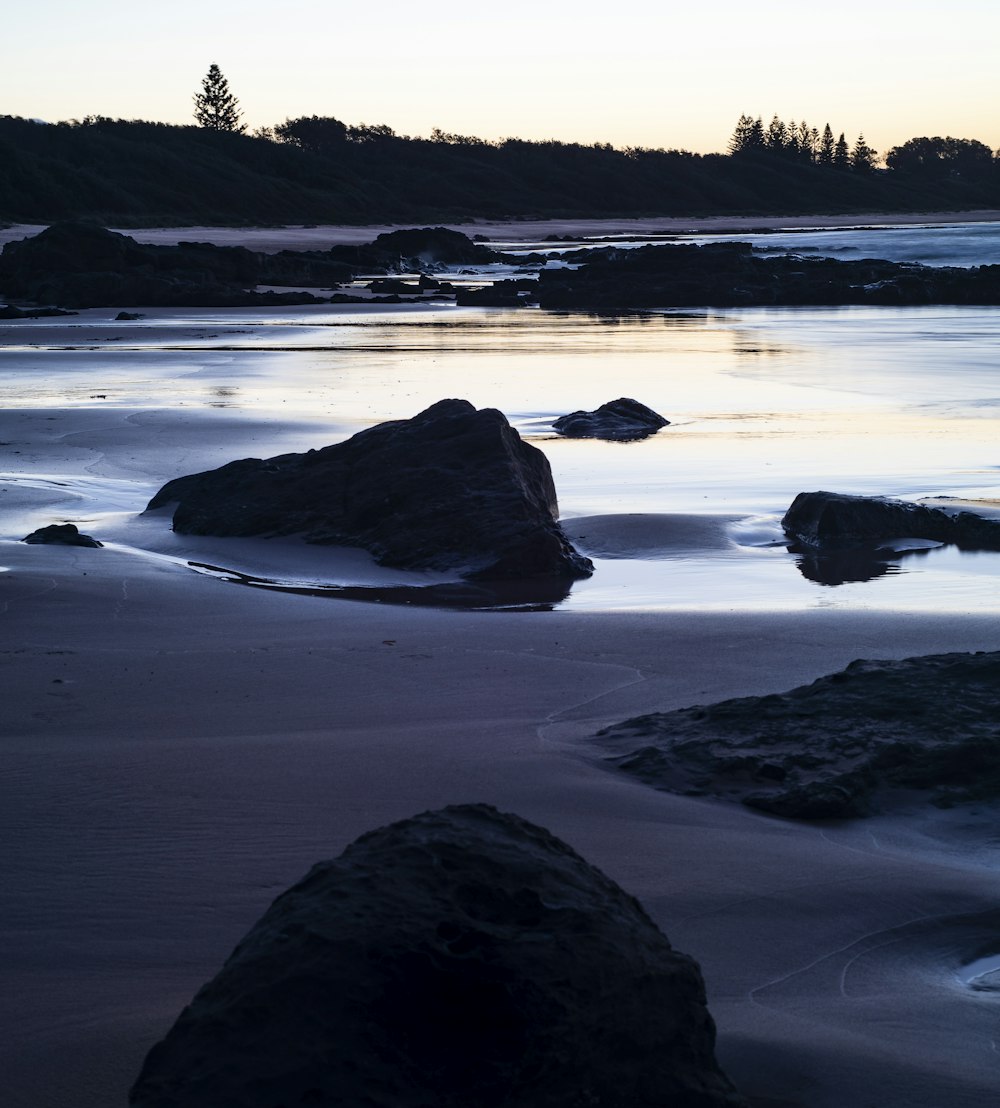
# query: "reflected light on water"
763, 404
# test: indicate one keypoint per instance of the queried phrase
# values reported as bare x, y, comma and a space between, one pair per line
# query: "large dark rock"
623, 419
840, 747
829, 521
460, 959
60, 534
733, 275
452, 489
433, 245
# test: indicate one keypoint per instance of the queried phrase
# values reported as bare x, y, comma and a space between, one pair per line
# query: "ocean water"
763, 404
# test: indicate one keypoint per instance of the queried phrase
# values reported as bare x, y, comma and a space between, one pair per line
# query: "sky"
649, 73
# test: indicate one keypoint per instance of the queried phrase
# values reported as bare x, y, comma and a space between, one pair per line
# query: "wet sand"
178, 750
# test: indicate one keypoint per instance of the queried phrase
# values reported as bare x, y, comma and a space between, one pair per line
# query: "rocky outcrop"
81, 265
452, 489
828, 521
733, 275
623, 420
461, 958
433, 245
60, 534
874, 734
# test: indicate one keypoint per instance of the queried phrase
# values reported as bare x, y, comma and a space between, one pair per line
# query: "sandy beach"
180, 748
272, 239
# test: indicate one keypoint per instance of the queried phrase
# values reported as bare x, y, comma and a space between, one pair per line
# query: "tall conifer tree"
215, 107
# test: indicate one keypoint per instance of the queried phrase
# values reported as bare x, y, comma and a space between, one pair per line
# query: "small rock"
60, 534
622, 420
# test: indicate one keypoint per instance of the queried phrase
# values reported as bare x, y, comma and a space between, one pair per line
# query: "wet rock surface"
732, 275
452, 489
60, 534
828, 521
873, 735
463, 957
623, 419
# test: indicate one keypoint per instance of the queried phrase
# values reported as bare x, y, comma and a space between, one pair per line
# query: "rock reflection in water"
523, 594
843, 567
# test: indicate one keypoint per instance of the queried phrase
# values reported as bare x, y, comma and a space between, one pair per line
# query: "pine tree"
824, 154
863, 156
777, 136
748, 136
215, 107
841, 153
742, 136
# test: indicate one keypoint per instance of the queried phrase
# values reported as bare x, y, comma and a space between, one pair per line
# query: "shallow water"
941, 244
763, 404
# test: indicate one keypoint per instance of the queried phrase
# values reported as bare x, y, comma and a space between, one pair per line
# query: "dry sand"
321, 237
178, 750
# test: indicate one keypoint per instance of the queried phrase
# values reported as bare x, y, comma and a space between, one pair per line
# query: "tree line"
923, 158
319, 169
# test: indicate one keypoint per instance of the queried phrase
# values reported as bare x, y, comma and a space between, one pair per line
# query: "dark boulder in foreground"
846, 744
464, 958
452, 489
623, 419
732, 275
829, 521
60, 534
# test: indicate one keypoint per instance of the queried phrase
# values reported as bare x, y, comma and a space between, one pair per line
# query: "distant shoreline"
322, 236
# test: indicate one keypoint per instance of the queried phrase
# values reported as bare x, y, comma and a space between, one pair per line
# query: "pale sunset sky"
629, 73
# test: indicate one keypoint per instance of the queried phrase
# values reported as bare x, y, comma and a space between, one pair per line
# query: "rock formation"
452, 489
60, 534
82, 265
623, 419
464, 958
731, 274
840, 747
829, 521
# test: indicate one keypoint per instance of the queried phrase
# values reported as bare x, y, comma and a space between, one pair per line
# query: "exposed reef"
733, 275
461, 958
874, 734
83, 265
452, 489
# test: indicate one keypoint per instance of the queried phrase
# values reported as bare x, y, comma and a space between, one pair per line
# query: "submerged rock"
452, 489
833, 749
623, 419
830, 521
60, 534
464, 958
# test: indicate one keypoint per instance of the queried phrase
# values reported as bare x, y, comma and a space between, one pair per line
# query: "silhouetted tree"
825, 147
777, 136
312, 132
863, 156
215, 107
937, 158
841, 153
807, 142
748, 138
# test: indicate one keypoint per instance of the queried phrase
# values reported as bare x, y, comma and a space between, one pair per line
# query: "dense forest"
314, 169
